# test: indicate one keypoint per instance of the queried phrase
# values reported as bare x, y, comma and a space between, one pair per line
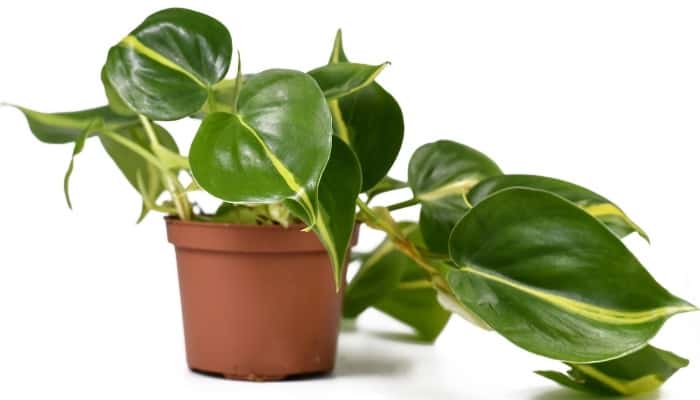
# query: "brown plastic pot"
258, 302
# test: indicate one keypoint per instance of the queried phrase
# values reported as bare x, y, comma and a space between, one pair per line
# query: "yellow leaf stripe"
341, 126
459, 187
607, 209
131, 42
644, 384
364, 83
282, 170
417, 284
67, 121
590, 311
316, 219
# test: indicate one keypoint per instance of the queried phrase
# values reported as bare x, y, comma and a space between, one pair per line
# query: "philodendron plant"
535, 259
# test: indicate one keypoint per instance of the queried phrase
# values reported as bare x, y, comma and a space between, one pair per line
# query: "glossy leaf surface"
342, 79
370, 121
642, 371
274, 148
335, 214
595, 204
440, 174
553, 280
166, 67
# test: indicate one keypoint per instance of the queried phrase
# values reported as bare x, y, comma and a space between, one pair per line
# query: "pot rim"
244, 238
230, 225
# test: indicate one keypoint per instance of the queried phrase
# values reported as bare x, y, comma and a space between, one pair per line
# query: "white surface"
602, 93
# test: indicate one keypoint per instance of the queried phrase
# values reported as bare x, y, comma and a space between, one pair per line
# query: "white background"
602, 93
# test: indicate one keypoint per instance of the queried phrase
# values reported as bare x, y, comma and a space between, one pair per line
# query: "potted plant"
536, 259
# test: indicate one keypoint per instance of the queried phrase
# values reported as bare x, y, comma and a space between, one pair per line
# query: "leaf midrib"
131, 42
590, 311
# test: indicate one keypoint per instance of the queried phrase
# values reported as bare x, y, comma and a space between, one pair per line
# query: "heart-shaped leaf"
642, 371
166, 67
393, 283
338, 80
553, 280
274, 148
440, 174
370, 121
66, 127
596, 205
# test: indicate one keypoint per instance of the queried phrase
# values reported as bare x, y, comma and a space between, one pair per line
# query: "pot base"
260, 378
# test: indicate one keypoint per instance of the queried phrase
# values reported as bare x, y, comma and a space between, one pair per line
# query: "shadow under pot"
258, 302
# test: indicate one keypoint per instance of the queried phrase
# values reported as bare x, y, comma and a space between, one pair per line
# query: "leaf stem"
402, 204
172, 184
372, 219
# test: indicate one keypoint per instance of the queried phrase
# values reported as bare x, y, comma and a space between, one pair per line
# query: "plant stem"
172, 184
402, 243
402, 204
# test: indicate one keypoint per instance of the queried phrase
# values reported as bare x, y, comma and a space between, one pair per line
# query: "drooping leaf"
133, 165
394, 284
596, 205
335, 215
553, 280
370, 121
642, 371
414, 302
66, 127
387, 184
379, 273
77, 149
275, 148
167, 66
338, 80
440, 174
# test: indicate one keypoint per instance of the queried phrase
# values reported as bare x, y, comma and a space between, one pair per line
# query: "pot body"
258, 302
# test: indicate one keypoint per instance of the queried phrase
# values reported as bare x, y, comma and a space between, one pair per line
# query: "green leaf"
166, 67
596, 205
379, 273
335, 215
371, 122
553, 280
66, 127
116, 103
414, 302
440, 174
133, 165
251, 214
274, 148
387, 184
642, 371
394, 284
338, 80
